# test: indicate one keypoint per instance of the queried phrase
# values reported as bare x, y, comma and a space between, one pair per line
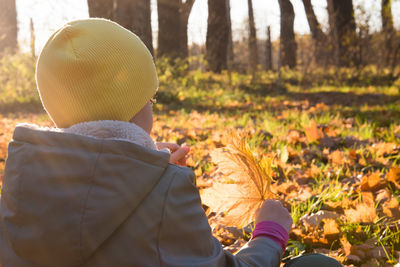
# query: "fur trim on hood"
106, 129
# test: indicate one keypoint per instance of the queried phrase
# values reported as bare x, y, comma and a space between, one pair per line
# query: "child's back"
71, 200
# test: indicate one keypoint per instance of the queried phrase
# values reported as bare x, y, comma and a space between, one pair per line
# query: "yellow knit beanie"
94, 69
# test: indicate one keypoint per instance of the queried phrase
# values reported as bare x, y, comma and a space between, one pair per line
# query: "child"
96, 191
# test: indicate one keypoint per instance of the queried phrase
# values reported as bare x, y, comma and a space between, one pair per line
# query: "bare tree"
101, 8
387, 28
8, 26
268, 50
253, 50
184, 12
135, 15
315, 27
217, 35
230, 44
173, 16
343, 32
319, 37
288, 44
33, 39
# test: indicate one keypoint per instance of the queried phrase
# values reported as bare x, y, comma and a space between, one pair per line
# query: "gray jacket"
74, 200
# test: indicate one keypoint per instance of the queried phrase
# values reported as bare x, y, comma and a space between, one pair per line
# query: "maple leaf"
372, 182
313, 133
363, 213
394, 176
337, 157
249, 178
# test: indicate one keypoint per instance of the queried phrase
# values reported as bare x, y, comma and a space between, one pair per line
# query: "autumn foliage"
330, 152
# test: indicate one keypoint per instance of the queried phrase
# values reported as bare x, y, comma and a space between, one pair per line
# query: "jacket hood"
64, 194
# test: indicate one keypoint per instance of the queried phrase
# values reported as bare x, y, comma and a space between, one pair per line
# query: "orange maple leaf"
313, 133
248, 182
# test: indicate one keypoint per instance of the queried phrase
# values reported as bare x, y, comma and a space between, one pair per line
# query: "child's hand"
273, 210
178, 153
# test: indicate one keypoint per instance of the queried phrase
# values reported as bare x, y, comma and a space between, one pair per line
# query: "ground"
334, 151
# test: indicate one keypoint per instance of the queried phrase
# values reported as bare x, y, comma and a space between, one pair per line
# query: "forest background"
319, 106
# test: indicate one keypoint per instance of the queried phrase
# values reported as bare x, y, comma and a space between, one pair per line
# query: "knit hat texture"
94, 69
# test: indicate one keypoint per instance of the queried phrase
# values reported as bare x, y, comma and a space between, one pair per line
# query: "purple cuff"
273, 231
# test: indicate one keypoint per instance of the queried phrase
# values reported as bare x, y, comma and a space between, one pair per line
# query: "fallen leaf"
315, 219
316, 241
293, 137
363, 213
331, 229
372, 182
394, 176
337, 158
305, 193
382, 196
313, 133
384, 149
346, 245
391, 209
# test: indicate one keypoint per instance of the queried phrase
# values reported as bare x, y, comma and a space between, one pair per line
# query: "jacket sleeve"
185, 237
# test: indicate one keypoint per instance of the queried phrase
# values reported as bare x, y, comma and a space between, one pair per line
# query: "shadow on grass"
345, 99
380, 106
21, 107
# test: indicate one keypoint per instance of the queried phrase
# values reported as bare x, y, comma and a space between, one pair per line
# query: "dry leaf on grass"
293, 137
250, 178
391, 209
363, 213
384, 149
394, 176
313, 133
315, 219
366, 251
372, 182
331, 228
382, 195
338, 158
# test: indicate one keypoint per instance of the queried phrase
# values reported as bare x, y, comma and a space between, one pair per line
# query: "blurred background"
235, 34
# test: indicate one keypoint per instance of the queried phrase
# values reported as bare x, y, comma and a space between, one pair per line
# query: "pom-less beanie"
94, 69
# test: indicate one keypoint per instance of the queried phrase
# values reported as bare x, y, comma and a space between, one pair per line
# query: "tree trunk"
253, 51
217, 35
315, 27
135, 15
319, 37
230, 42
184, 13
101, 8
33, 39
387, 29
173, 16
288, 42
268, 50
8, 26
168, 28
343, 31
